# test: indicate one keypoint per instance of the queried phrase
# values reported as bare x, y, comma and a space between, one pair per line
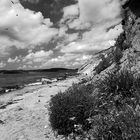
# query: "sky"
42, 34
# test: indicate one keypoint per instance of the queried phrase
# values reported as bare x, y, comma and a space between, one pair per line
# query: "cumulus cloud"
97, 11
103, 15
100, 22
99, 34
34, 60
97, 17
15, 60
2, 64
94, 40
22, 28
85, 28
91, 12
72, 10
39, 56
71, 18
69, 60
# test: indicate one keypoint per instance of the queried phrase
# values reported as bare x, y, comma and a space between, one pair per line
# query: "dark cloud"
134, 5
8, 32
49, 8
32, 1
17, 52
77, 31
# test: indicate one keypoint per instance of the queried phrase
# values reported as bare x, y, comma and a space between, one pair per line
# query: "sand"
24, 113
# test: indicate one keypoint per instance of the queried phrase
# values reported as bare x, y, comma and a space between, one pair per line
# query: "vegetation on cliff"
106, 107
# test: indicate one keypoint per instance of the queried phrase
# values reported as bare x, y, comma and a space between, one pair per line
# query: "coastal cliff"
125, 54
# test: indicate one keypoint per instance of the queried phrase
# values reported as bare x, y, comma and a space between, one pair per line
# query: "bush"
121, 126
85, 80
117, 55
121, 83
70, 110
113, 113
105, 63
120, 42
117, 117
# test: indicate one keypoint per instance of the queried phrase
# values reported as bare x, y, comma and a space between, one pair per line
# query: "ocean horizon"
16, 79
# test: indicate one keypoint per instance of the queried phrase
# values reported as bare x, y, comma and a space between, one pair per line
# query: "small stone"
19, 109
1, 122
45, 126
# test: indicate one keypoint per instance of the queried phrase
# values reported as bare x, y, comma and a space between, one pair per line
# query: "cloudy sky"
56, 33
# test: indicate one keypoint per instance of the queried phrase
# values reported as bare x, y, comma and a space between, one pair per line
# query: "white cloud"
22, 28
67, 60
15, 60
78, 24
71, 18
23, 67
66, 37
2, 64
91, 12
74, 47
99, 34
83, 58
25, 29
72, 10
94, 40
40, 56
35, 60
97, 17
97, 11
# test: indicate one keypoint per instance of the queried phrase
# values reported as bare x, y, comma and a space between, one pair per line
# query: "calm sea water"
15, 80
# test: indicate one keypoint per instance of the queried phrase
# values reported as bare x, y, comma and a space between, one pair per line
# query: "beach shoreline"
24, 112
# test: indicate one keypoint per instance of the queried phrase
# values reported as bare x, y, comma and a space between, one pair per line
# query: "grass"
105, 110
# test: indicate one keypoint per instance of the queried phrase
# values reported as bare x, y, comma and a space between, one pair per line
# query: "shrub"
105, 63
117, 55
85, 80
113, 113
117, 117
120, 41
121, 83
121, 126
70, 110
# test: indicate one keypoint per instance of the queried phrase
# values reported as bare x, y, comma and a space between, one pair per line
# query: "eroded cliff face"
126, 52
130, 45
98, 63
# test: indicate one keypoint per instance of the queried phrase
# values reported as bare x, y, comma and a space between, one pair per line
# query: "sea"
10, 81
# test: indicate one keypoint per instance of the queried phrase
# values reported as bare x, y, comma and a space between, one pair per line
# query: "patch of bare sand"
26, 115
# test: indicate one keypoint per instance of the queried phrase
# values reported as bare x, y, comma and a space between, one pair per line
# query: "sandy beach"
24, 113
